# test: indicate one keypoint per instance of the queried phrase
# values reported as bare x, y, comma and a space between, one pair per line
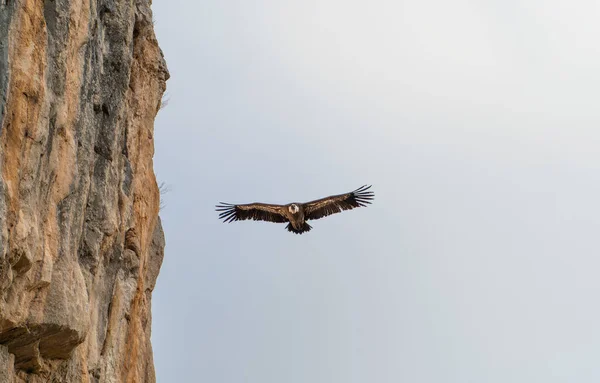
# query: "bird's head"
293, 208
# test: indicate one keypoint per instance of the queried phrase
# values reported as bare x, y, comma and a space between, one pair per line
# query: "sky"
478, 125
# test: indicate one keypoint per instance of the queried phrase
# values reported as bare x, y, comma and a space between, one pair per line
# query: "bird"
296, 214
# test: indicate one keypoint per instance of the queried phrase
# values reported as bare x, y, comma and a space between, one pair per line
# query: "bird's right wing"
255, 211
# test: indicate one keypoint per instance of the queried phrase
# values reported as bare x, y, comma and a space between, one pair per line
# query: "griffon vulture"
296, 214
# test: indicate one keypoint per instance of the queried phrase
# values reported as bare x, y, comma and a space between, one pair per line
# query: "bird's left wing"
336, 203
255, 211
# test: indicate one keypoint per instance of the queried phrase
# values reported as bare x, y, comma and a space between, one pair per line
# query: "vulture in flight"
296, 214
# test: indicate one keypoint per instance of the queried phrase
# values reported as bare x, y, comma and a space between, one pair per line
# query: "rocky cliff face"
80, 238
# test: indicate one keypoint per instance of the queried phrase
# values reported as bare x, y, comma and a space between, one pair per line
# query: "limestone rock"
81, 243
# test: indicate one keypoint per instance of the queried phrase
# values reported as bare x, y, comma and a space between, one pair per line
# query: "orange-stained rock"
80, 238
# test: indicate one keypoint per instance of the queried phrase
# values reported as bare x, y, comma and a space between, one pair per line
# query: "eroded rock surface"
80, 238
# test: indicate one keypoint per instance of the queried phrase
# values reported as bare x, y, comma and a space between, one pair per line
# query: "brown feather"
253, 211
336, 203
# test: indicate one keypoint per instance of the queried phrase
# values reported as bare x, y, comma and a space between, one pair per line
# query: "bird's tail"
305, 227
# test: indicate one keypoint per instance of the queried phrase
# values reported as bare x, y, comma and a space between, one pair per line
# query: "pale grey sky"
478, 124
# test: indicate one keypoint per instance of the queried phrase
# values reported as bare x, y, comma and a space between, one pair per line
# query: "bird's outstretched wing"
255, 211
336, 203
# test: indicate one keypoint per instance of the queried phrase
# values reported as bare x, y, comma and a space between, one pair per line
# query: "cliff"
81, 243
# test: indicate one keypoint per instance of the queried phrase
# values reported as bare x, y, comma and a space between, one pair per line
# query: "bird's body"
296, 214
